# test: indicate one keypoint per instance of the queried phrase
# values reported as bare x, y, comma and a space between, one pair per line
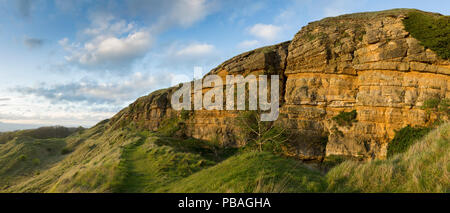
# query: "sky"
77, 62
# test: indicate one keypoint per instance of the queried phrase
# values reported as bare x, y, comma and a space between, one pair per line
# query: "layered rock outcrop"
365, 62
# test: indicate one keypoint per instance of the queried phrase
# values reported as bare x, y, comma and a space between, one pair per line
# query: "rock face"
365, 62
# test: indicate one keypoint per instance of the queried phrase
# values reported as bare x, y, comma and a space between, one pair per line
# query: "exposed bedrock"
364, 62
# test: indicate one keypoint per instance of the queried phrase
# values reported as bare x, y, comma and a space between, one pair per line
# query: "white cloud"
267, 32
179, 56
248, 44
95, 92
112, 44
107, 25
187, 12
167, 14
196, 50
40, 111
83, 102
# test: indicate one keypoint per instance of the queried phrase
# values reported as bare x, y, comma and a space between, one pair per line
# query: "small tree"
261, 135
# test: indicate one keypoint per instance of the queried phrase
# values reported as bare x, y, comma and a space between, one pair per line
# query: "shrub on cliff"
431, 31
345, 118
404, 138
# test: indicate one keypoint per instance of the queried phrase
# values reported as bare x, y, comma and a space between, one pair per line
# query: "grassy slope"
146, 166
423, 168
252, 172
24, 157
125, 160
90, 167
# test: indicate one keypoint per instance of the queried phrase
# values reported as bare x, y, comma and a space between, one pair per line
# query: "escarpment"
365, 62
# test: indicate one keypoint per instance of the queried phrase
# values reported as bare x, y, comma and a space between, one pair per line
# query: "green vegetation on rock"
441, 107
345, 118
404, 138
432, 31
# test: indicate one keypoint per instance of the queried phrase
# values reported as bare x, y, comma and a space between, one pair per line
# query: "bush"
404, 138
345, 118
209, 150
431, 31
185, 114
22, 157
66, 151
36, 161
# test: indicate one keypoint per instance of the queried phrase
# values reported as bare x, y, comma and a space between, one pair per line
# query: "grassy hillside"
424, 167
25, 156
25, 153
104, 159
252, 172
40, 133
86, 162
146, 166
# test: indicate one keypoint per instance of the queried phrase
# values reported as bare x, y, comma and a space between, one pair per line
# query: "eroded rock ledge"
365, 62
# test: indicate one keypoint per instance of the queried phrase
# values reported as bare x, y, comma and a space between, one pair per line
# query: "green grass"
170, 127
404, 138
252, 172
90, 167
432, 31
208, 150
334, 160
145, 166
130, 160
23, 156
424, 167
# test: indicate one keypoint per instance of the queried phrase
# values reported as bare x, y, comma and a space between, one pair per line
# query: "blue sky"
72, 63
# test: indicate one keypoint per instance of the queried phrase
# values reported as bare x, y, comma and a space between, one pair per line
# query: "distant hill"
7, 127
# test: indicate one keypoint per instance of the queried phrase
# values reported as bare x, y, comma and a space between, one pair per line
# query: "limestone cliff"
366, 62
